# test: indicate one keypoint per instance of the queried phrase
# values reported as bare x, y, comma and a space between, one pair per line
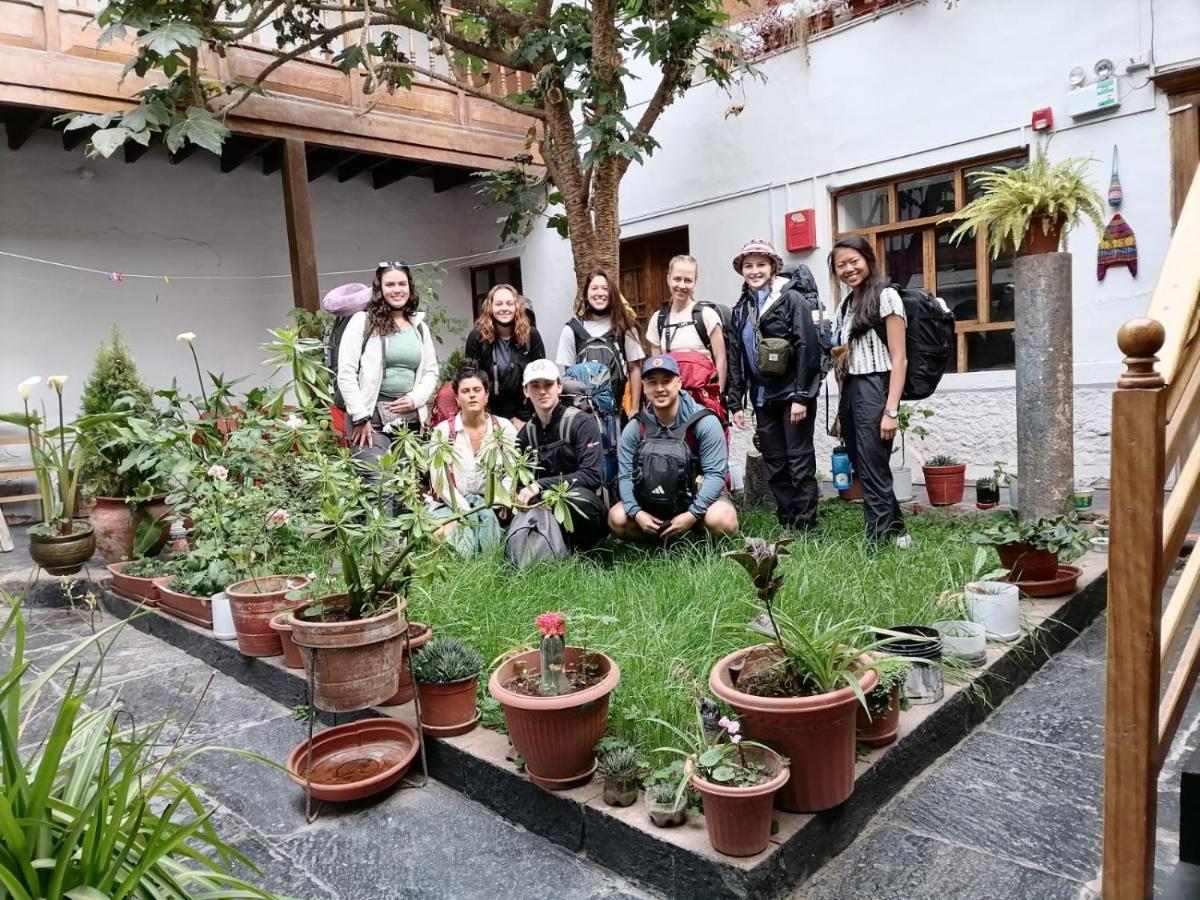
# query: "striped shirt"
868, 351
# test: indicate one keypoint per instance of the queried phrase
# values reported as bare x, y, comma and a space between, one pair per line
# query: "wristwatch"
892, 413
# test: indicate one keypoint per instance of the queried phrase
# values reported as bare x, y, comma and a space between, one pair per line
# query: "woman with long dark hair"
504, 341
387, 365
869, 334
604, 331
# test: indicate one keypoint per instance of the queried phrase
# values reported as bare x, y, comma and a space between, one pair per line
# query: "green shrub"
114, 384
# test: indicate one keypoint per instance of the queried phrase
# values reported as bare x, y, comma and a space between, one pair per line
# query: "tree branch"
515, 24
250, 24
437, 28
531, 111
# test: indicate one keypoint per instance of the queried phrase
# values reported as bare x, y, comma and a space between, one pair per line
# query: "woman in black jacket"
502, 343
775, 367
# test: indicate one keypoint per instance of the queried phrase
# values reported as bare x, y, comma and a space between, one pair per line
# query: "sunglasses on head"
390, 264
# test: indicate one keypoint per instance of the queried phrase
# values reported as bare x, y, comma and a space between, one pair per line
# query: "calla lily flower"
25, 388
186, 337
57, 382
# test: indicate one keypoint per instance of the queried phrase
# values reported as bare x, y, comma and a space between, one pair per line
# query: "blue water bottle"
841, 469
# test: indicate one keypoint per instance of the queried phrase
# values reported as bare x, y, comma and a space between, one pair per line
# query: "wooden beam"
20, 124
394, 171
297, 209
322, 160
444, 179
239, 149
272, 158
357, 164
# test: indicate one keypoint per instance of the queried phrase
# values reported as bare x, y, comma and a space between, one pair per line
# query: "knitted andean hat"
1118, 247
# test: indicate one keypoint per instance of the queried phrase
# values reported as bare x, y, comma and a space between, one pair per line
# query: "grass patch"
655, 612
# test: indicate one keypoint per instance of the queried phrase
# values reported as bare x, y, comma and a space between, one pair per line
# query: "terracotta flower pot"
197, 610
1027, 563
357, 663
254, 603
418, 636
139, 590
816, 733
355, 760
883, 730
63, 554
944, 484
116, 524
555, 735
1044, 235
854, 492
449, 709
291, 653
738, 819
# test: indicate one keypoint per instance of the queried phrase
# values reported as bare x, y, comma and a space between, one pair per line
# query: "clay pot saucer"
1062, 583
355, 760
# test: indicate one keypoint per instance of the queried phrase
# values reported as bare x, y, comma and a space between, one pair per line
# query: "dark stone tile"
278, 872
38, 715
1092, 644
1014, 799
123, 653
890, 863
1063, 706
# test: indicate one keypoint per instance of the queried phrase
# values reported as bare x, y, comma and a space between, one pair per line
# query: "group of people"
700, 369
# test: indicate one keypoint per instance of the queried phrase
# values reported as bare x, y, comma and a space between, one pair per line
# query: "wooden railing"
1155, 421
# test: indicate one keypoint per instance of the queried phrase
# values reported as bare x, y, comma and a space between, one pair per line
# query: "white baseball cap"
540, 370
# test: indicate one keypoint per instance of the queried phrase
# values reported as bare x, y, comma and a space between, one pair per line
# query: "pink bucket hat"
762, 248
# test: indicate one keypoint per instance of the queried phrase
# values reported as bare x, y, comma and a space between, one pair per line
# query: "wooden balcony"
49, 60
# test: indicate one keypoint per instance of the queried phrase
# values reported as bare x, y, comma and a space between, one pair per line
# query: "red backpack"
699, 375
445, 406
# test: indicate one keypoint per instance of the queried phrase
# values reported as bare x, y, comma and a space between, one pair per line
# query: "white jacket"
360, 369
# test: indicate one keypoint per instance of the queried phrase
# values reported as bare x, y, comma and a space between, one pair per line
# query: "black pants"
589, 519
791, 462
860, 410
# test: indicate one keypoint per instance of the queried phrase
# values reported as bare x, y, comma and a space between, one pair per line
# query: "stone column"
1045, 385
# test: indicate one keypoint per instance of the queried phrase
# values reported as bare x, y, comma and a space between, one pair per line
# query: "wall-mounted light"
1077, 76
1104, 69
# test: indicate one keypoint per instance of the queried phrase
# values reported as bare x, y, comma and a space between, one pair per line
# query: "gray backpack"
533, 537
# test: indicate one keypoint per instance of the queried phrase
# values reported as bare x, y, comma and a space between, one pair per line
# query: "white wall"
921, 87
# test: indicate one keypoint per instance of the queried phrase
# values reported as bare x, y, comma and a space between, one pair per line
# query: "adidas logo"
658, 490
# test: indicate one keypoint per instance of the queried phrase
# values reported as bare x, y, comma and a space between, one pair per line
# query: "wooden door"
644, 262
1183, 105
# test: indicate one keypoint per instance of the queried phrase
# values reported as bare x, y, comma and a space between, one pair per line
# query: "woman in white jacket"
387, 365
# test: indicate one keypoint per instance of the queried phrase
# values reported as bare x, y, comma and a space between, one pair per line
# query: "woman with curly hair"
604, 331
387, 365
504, 341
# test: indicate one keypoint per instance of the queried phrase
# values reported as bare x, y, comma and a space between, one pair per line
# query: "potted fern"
1030, 208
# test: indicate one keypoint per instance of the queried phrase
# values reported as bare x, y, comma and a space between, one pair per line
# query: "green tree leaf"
168, 38
107, 141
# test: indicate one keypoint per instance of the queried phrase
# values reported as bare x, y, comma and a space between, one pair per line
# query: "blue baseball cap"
660, 364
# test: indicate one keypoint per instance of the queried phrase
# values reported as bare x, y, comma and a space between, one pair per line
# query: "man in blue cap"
672, 463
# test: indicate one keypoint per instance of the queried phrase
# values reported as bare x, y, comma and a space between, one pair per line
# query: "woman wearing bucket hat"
775, 369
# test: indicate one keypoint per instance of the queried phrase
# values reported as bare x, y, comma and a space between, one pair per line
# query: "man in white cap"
567, 444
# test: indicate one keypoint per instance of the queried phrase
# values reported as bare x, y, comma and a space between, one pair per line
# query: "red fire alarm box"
801, 230
1043, 119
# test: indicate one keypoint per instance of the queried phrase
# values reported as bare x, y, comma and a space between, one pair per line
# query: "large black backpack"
929, 341
800, 279
605, 349
723, 312
666, 467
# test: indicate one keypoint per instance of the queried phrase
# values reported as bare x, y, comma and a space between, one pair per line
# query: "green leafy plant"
909, 421
100, 809
446, 659
941, 459
1002, 475
892, 673
719, 757
987, 483
1013, 198
1061, 535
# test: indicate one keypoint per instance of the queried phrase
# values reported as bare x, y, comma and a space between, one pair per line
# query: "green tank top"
401, 359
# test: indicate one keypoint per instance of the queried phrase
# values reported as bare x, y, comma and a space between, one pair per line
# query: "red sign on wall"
801, 230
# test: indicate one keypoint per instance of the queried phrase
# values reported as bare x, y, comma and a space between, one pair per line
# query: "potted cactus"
447, 670
621, 771
945, 478
555, 702
665, 806
800, 692
987, 492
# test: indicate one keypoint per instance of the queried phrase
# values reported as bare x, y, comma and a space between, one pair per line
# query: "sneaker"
906, 542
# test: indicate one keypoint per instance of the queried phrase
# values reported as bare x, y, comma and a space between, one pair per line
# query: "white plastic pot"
902, 484
963, 641
996, 606
1012, 492
223, 629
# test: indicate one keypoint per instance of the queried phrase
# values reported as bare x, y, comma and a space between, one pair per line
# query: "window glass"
1004, 291
932, 195
904, 259
974, 190
957, 280
862, 209
990, 350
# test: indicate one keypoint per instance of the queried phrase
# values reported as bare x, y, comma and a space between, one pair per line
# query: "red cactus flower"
552, 624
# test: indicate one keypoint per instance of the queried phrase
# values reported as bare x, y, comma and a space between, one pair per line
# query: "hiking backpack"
724, 313
587, 387
800, 279
666, 465
342, 303
533, 537
605, 349
929, 341
699, 376
445, 405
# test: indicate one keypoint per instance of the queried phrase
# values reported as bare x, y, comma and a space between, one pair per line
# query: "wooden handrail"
1181, 506
1183, 600
1179, 277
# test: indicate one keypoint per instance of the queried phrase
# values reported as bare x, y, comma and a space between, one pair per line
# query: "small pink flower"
218, 472
277, 518
733, 726
736, 738
723, 721
552, 624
